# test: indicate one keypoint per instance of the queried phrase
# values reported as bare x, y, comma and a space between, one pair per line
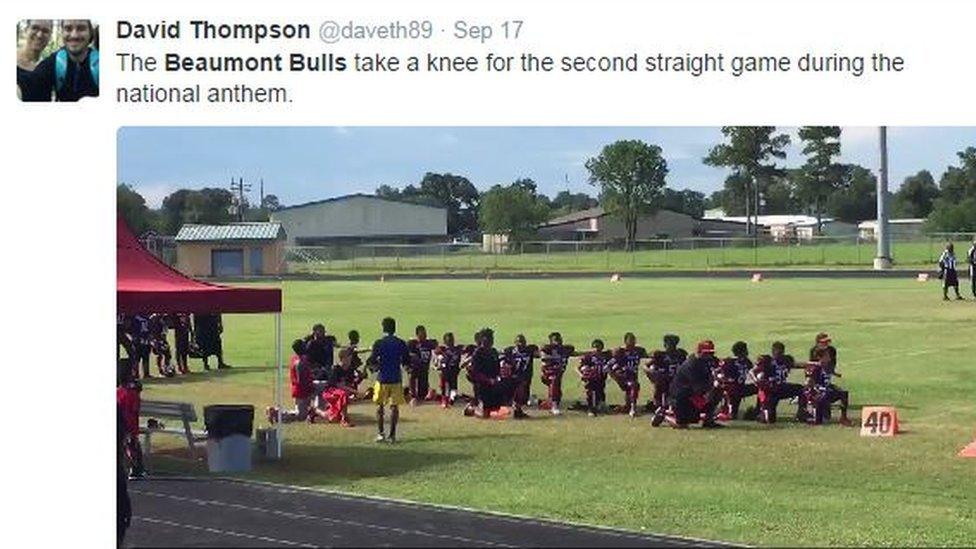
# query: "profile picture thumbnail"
57, 59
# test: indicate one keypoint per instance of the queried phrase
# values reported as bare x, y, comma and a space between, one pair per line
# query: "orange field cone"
969, 451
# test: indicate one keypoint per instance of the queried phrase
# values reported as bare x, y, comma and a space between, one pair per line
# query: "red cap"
706, 347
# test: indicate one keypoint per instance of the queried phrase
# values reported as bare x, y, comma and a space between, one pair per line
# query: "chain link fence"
568, 256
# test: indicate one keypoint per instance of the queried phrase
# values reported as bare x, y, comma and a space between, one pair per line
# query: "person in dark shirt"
388, 357
732, 376
158, 329
624, 369
350, 365
447, 361
661, 369
71, 72
519, 358
182, 334
320, 347
141, 343
421, 353
493, 385
555, 358
37, 35
693, 395
208, 329
593, 371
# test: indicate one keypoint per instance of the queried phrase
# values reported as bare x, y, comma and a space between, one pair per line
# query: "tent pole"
279, 382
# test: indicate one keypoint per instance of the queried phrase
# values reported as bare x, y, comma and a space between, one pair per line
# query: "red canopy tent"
144, 284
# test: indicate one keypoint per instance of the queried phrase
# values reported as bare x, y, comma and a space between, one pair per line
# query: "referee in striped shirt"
948, 273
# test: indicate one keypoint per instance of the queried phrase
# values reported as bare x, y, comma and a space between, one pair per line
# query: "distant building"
789, 226
236, 249
596, 224
897, 228
361, 219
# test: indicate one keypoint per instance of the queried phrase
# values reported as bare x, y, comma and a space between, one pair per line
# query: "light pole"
882, 260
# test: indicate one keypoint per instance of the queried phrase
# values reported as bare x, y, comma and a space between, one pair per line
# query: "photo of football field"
899, 344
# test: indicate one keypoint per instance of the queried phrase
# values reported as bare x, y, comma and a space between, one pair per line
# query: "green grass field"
566, 257
786, 484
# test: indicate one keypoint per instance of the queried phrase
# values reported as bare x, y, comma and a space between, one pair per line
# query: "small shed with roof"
235, 249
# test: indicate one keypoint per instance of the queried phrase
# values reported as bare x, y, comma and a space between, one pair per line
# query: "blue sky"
301, 164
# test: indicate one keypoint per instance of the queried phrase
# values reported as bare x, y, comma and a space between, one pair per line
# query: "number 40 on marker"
879, 421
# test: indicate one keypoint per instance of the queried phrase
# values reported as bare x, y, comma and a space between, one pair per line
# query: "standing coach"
390, 354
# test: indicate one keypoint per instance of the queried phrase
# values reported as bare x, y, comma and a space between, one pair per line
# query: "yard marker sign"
923, 277
757, 277
879, 421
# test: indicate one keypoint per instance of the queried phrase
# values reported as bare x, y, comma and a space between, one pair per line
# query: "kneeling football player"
555, 358
519, 359
447, 361
732, 377
593, 371
826, 353
624, 368
661, 368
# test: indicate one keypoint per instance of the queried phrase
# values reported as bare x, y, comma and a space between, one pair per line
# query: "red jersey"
626, 362
593, 365
300, 373
129, 400
555, 358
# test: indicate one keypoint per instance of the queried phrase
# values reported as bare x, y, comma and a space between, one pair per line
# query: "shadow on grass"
309, 465
196, 376
337, 465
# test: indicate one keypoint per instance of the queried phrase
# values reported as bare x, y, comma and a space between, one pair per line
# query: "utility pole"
261, 204
883, 259
240, 187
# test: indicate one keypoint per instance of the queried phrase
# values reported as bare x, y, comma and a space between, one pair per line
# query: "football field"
786, 484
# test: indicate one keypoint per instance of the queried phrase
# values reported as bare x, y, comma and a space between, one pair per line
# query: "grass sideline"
909, 255
787, 484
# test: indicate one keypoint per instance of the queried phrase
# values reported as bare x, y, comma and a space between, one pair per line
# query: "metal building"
359, 219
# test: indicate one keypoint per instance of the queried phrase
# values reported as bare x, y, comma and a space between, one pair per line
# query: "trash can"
229, 428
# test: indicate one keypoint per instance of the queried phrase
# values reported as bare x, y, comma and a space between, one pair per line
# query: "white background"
59, 164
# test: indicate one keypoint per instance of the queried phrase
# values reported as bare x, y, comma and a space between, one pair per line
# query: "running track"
171, 512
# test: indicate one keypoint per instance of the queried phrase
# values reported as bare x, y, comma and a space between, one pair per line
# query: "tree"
457, 195
566, 202
857, 198
685, 201
631, 175
779, 197
820, 176
916, 196
955, 209
751, 153
513, 210
207, 205
132, 207
270, 203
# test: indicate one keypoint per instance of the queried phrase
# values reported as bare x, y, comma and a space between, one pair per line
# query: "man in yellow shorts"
389, 356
